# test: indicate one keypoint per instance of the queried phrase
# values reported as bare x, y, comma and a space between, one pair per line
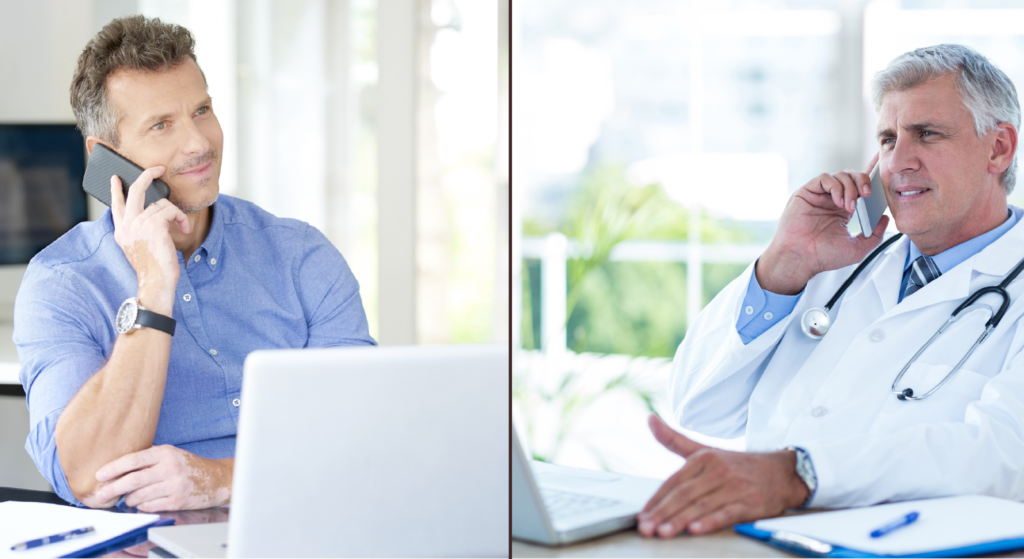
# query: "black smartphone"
105, 163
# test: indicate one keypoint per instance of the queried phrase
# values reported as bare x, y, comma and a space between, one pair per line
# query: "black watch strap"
151, 319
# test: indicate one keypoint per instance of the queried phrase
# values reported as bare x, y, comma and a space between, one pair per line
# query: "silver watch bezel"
805, 470
127, 316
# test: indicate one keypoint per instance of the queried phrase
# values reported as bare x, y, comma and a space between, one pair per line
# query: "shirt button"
819, 411
236, 402
197, 258
213, 352
213, 261
768, 316
876, 336
187, 297
749, 310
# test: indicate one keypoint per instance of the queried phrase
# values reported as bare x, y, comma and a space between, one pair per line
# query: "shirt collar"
952, 257
215, 237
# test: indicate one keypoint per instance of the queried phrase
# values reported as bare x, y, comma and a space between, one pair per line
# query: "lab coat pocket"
948, 403
922, 377
968, 383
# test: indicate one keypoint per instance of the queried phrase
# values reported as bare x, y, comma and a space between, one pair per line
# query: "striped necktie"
922, 271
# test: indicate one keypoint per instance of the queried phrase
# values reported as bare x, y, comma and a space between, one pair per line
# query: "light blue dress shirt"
256, 282
763, 309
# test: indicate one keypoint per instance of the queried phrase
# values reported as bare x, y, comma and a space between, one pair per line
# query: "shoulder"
82, 243
236, 212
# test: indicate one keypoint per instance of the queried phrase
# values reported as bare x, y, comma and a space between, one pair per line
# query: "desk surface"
141, 546
724, 543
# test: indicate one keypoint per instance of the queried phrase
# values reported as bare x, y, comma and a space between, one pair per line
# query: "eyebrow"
150, 121
919, 127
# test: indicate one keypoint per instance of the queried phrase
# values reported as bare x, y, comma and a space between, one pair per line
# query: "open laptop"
556, 505
369, 452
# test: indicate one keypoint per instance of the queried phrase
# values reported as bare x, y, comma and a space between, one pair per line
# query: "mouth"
198, 174
910, 192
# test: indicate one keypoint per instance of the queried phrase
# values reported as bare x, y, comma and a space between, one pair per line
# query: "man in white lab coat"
823, 424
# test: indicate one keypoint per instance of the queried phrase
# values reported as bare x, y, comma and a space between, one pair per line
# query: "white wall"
40, 41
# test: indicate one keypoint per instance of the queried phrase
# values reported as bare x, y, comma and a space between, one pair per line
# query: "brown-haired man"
150, 414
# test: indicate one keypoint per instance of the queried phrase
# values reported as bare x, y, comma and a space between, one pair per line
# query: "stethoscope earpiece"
907, 393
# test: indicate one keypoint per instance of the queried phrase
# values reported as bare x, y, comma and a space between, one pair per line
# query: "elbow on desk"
81, 477
83, 486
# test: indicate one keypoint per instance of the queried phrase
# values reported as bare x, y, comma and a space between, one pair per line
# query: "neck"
990, 215
199, 227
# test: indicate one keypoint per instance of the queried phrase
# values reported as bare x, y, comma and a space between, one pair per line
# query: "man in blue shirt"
147, 408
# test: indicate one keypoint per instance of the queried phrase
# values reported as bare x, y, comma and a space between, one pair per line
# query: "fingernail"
647, 527
101, 496
665, 530
696, 526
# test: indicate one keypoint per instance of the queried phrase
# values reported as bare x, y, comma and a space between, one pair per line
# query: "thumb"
670, 439
867, 244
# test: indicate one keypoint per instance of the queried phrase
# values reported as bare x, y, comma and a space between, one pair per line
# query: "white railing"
554, 249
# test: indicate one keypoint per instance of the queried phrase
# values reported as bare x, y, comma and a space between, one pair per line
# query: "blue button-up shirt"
763, 309
257, 282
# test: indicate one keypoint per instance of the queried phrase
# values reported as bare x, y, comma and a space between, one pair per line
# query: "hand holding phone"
150, 251
105, 163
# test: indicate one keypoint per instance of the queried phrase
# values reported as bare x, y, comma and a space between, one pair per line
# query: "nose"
903, 157
196, 142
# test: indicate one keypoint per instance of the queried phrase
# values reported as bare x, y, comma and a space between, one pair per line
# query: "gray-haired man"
947, 139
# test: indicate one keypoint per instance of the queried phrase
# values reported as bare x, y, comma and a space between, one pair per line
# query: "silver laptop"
556, 505
370, 452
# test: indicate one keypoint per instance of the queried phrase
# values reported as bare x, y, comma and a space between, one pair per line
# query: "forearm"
919, 462
116, 411
710, 383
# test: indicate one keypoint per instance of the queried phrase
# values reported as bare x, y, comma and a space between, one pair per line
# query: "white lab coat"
832, 397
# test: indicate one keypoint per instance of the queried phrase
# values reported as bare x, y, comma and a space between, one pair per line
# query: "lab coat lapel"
891, 266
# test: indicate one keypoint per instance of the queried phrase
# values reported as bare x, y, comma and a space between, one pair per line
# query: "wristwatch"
132, 316
805, 469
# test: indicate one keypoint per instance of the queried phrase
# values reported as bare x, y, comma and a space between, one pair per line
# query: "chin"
193, 206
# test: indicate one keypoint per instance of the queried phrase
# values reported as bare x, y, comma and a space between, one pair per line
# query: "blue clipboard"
968, 551
122, 541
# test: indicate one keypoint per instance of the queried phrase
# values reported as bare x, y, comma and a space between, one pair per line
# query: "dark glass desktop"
41, 196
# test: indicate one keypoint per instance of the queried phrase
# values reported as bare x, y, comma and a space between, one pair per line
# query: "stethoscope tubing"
993, 322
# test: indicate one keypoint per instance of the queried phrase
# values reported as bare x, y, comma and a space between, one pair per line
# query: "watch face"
126, 315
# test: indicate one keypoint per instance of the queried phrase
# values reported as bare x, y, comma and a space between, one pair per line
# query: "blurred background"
656, 143
384, 123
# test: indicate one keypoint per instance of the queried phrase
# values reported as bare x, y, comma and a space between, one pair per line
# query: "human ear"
91, 141
1003, 147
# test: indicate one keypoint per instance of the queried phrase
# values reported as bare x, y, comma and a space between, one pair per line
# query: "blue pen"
895, 524
53, 539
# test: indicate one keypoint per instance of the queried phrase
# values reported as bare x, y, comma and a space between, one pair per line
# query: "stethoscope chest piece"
815, 323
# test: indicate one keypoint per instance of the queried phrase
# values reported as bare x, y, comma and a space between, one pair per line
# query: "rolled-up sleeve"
329, 295
58, 354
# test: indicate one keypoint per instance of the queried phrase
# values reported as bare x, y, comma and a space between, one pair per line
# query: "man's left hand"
718, 488
166, 478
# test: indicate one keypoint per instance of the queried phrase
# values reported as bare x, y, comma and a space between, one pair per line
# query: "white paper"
945, 523
21, 522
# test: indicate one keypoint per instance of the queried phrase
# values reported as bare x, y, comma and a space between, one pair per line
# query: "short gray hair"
987, 93
129, 43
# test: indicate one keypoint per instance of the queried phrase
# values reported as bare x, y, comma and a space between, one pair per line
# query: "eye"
160, 126
203, 110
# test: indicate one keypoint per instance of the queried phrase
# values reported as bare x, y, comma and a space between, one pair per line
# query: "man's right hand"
812, 235
144, 236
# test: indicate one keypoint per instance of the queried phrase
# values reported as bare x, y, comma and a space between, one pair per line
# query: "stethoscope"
816, 322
